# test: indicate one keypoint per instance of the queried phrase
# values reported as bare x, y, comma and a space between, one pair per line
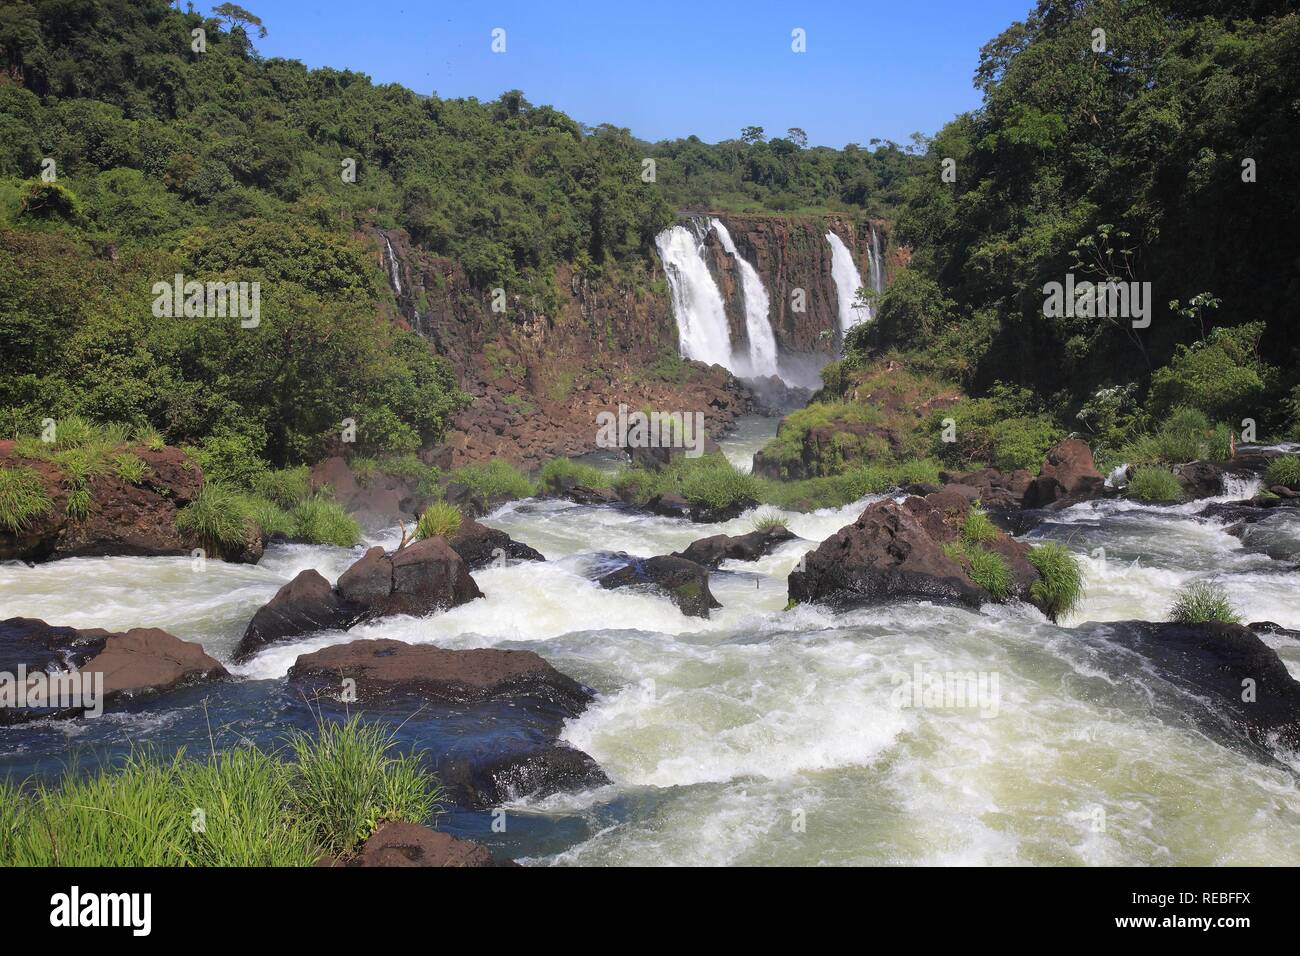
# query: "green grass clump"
1151, 483
364, 470
768, 521
320, 521
1059, 587
285, 487
22, 497
269, 516
1284, 470
561, 470
129, 467
718, 485
439, 520
240, 807
347, 780
978, 528
1203, 602
150, 438
986, 568
218, 516
495, 480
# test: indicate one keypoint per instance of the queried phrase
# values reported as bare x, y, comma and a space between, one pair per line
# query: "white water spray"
697, 304
758, 325
392, 266
844, 272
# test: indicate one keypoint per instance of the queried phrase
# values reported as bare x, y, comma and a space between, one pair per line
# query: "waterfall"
697, 304
758, 327
877, 265
392, 265
844, 272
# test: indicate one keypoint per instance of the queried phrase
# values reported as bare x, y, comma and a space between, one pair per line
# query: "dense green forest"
211, 163
1164, 150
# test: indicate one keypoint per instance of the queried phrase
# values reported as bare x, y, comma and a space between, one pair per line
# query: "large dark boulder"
1068, 475
669, 505
481, 546
399, 843
1225, 668
895, 551
386, 667
418, 579
684, 582
1200, 479
307, 603
712, 551
537, 772
138, 661
996, 491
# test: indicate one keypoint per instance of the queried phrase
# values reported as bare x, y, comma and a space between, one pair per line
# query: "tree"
751, 135
797, 136
237, 16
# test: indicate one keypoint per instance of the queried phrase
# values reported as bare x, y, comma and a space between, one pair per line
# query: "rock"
684, 582
141, 660
1200, 479
418, 579
712, 551
582, 495
704, 514
1212, 662
399, 843
147, 659
895, 552
481, 546
123, 519
669, 505
307, 603
1269, 627
1068, 474
655, 459
385, 667
537, 773
996, 491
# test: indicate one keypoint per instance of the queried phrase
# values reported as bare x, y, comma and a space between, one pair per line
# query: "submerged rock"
1228, 669
481, 546
385, 667
399, 843
712, 551
684, 582
895, 551
539, 772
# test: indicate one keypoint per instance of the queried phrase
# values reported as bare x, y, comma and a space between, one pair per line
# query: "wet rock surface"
683, 582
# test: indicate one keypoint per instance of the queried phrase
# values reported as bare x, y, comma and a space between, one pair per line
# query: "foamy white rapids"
766, 736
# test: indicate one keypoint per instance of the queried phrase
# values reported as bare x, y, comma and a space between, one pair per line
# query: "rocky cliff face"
792, 253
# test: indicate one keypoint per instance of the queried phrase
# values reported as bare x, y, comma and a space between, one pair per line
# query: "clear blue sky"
665, 68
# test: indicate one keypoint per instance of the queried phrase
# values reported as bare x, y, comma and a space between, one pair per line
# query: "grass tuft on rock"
439, 520
978, 528
769, 521
1059, 588
218, 516
22, 497
1203, 602
129, 467
1284, 470
561, 471
321, 521
1152, 483
495, 480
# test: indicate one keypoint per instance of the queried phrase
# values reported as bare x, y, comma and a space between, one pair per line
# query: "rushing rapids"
763, 735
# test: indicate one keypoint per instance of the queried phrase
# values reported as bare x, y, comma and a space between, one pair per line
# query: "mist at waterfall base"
704, 333
717, 733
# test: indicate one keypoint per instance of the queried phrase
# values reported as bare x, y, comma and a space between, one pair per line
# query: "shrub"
230, 457
768, 521
130, 468
22, 497
347, 781
719, 486
495, 480
978, 528
284, 486
1284, 470
218, 517
439, 520
560, 471
1154, 484
320, 521
1222, 375
1059, 587
1023, 442
1203, 602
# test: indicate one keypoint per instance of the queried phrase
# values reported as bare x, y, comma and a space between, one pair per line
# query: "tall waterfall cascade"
698, 308
392, 266
758, 324
847, 279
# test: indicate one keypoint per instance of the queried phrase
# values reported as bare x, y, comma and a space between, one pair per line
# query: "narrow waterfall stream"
717, 734
844, 271
758, 326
